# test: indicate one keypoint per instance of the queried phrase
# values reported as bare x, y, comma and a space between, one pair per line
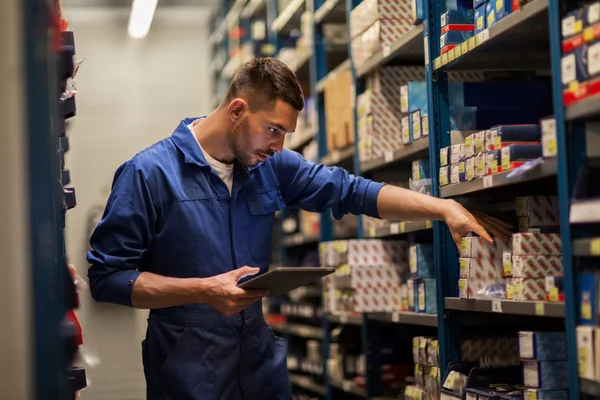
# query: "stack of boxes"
456, 26
545, 369
427, 370
480, 267
368, 275
339, 115
379, 111
414, 109
421, 286
580, 64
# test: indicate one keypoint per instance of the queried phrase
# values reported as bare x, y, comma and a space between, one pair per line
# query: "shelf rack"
526, 41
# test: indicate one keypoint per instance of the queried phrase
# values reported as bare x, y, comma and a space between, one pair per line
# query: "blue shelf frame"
571, 144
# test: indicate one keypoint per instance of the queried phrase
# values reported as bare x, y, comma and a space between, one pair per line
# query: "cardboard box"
444, 158
421, 260
369, 11
542, 346
338, 105
549, 144
480, 165
536, 266
480, 268
376, 252
470, 168
515, 155
415, 125
413, 97
503, 8
457, 171
586, 351
587, 298
542, 394
456, 17
405, 127
479, 142
469, 146
554, 286
412, 285
425, 124
454, 38
541, 208
507, 266
444, 175
490, 136
491, 16
548, 244
546, 374
427, 296
510, 134
469, 288
457, 153
476, 247
480, 20
493, 162
523, 289
420, 170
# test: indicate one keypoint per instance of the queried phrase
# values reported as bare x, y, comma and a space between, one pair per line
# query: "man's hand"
224, 295
461, 222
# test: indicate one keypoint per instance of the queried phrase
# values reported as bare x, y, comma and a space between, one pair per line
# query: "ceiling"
212, 4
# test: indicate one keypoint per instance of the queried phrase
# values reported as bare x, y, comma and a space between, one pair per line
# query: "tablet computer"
283, 279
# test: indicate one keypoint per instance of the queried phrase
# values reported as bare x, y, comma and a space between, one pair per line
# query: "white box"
479, 142
480, 165
476, 247
586, 340
470, 168
457, 153
548, 244
549, 144
536, 266
470, 146
444, 156
482, 268
526, 289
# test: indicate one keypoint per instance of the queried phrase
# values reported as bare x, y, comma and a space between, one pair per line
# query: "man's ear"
237, 108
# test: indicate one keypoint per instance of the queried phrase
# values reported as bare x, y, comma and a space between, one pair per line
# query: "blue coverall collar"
189, 146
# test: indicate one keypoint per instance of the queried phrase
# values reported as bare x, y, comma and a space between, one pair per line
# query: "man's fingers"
494, 221
480, 230
245, 271
496, 230
253, 294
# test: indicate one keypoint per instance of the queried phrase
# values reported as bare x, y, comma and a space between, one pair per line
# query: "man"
192, 215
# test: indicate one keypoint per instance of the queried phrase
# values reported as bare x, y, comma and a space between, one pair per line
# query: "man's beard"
240, 144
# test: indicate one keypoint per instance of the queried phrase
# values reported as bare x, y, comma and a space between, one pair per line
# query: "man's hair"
261, 81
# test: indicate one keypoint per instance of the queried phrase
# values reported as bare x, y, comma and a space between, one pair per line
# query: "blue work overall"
169, 213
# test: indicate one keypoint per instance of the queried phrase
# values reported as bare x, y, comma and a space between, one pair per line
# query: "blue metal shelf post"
439, 136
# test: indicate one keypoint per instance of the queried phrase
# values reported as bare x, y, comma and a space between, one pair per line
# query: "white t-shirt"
225, 171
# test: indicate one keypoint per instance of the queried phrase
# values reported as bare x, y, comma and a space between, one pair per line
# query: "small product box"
546, 244
493, 161
470, 146
503, 8
543, 346
536, 266
420, 170
490, 137
539, 210
542, 394
555, 288
480, 165
528, 289
479, 142
427, 297
477, 3
421, 260
458, 172
444, 156
546, 374
404, 297
470, 288
425, 124
507, 266
576, 21
413, 96
417, 11
456, 17
515, 155
476, 247
444, 175
457, 153
503, 134
454, 38
470, 168
491, 16
587, 297
482, 268
412, 290
480, 24
367, 253
405, 128
415, 125
549, 143
577, 67
586, 351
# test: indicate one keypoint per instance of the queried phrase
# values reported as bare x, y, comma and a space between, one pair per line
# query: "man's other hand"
224, 295
461, 222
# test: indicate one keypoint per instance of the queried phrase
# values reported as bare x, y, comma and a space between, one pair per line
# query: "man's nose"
277, 146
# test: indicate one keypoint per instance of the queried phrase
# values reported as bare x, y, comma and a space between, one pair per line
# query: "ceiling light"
140, 19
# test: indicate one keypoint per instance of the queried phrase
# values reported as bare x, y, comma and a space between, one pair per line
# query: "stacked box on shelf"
535, 256
339, 114
413, 105
480, 267
456, 26
545, 369
426, 370
580, 65
422, 285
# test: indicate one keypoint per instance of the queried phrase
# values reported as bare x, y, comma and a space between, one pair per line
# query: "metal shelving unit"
398, 228
409, 318
413, 151
533, 308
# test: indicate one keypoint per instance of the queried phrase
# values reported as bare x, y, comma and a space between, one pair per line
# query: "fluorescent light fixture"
140, 19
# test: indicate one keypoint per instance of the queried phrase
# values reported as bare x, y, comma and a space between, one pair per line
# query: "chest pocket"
260, 231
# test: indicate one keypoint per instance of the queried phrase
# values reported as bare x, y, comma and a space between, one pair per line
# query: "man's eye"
273, 130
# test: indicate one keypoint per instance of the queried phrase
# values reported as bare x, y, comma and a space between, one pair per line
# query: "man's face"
258, 135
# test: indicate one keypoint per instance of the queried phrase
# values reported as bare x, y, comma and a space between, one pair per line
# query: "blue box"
581, 64
420, 170
493, 161
421, 260
503, 8
413, 97
478, 3
546, 374
427, 296
543, 394
576, 21
457, 17
480, 24
477, 118
416, 129
458, 4
490, 14
417, 11
503, 134
543, 346
454, 37
587, 298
